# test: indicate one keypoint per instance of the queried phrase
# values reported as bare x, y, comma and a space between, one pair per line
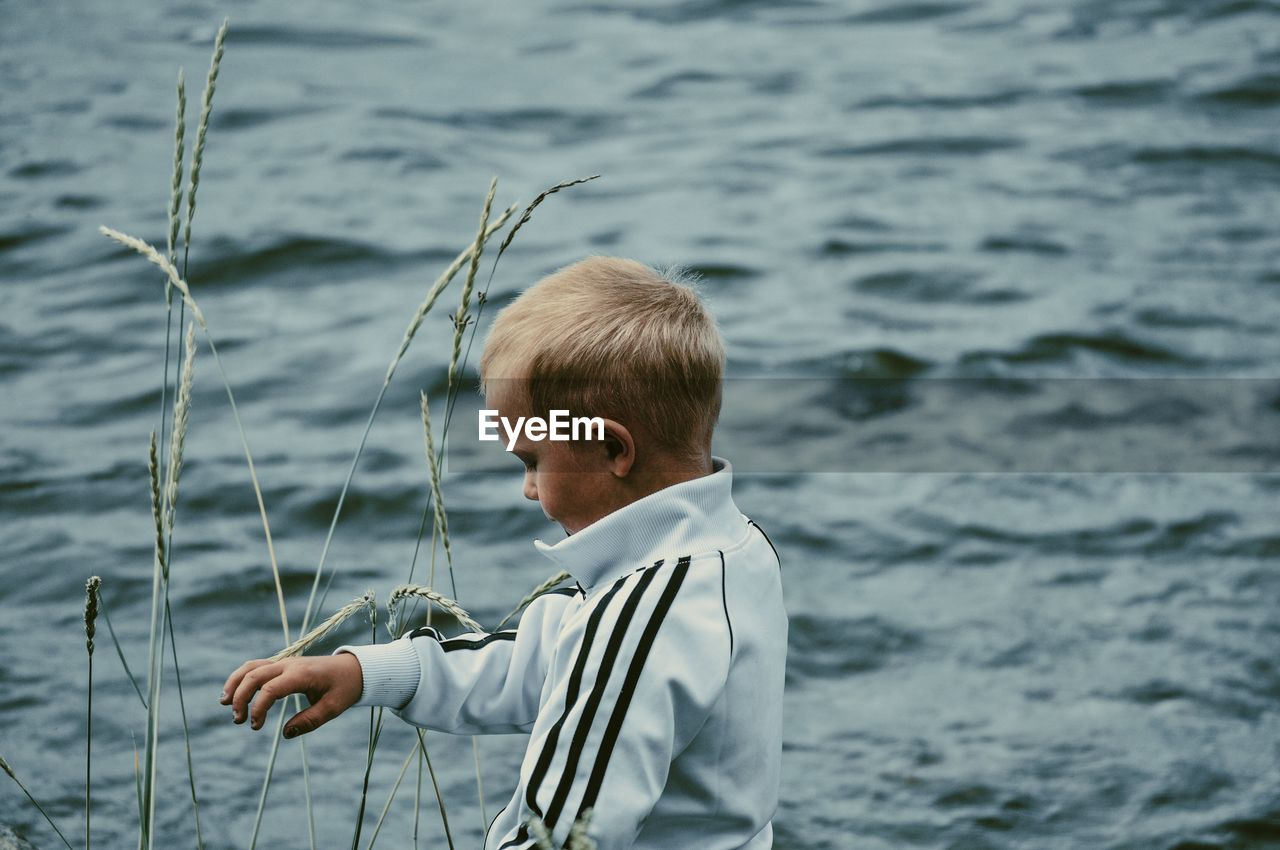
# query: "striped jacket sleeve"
650, 667
474, 683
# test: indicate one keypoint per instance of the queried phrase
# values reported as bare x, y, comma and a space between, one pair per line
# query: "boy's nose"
530, 487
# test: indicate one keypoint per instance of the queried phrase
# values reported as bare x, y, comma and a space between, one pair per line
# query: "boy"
651, 689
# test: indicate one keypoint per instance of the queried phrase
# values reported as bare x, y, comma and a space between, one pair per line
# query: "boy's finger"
276, 688
249, 685
311, 719
233, 681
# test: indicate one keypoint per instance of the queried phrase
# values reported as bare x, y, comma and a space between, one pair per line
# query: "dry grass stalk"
206, 109
438, 287
578, 838
461, 317
422, 592
90, 611
157, 511
528, 211
181, 414
364, 602
533, 594
90, 626
416, 322
165, 266
175, 189
433, 465
482, 298
541, 835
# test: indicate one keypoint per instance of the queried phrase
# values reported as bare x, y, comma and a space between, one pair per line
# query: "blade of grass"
417, 801
444, 816
4, 765
186, 731
163, 513
137, 776
373, 744
475, 752
306, 784
266, 782
180, 417
155, 661
374, 730
404, 768
102, 606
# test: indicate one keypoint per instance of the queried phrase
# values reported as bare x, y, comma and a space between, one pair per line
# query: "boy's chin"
550, 518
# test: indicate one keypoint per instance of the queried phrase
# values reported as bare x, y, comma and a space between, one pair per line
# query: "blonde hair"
615, 338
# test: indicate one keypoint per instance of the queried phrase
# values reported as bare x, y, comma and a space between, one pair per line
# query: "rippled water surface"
1012, 187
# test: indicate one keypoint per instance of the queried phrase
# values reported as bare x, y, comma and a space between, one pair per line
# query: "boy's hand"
331, 683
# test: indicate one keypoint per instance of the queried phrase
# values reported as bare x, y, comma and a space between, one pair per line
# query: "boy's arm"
470, 684
658, 666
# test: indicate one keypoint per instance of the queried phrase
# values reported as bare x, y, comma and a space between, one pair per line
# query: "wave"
829, 647
935, 286
329, 39
1066, 348
45, 168
1259, 90
926, 146
295, 254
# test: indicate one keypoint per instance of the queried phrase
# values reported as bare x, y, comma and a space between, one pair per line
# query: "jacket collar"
688, 518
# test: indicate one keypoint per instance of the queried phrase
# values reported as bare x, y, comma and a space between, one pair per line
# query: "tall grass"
90, 628
165, 462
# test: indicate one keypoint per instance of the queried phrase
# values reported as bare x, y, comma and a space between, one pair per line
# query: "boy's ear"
620, 448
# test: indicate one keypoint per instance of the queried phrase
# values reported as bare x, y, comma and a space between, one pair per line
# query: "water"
1027, 188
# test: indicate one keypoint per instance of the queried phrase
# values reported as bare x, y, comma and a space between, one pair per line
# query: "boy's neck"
667, 472
660, 473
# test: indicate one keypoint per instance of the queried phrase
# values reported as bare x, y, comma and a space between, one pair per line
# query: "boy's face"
572, 481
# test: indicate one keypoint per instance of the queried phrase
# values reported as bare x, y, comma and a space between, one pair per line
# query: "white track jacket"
651, 691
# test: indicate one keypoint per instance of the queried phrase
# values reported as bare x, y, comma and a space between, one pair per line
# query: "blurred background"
1024, 188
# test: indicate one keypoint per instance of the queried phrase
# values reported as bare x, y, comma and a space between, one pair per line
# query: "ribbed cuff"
391, 672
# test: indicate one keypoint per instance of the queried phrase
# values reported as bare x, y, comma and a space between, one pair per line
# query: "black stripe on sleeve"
592, 705
629, 684
453, 644
425, 631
